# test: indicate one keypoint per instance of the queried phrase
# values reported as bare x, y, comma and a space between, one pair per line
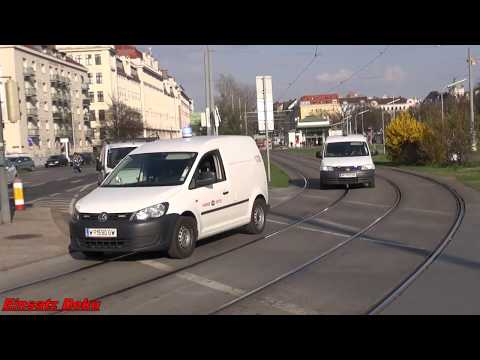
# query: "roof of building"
52, 52
128, 50
353, 100
319, 99
386, 100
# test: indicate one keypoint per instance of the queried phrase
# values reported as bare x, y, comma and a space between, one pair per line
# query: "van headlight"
151, 212
326, 168
368, 167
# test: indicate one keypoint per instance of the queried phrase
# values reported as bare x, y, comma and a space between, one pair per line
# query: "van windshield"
347, 149
117, 154
152, 169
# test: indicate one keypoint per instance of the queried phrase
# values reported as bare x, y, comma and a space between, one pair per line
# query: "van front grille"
103, 244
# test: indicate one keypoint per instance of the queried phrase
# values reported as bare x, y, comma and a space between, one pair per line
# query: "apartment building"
43, 94
393, 103
319, 105
134, 77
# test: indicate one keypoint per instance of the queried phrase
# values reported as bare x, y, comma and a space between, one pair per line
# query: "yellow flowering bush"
403, 139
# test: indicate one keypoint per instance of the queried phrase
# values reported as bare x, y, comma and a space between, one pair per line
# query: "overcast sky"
401, 70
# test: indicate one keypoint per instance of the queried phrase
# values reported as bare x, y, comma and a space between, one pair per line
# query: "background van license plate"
348, 175
101, 233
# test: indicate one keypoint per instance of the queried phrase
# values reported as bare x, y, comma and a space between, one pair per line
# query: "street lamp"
447, 87
383, 123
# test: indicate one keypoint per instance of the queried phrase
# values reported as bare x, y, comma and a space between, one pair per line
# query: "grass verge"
279, 179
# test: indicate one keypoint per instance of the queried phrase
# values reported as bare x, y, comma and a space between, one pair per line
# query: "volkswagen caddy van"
346, 160
166, 195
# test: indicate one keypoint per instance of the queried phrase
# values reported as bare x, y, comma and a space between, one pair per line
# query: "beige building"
123, 72
43, 95
319, 105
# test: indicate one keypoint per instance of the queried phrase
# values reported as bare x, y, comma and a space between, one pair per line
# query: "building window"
91, 96
101, 115
81, 79
34, 66
99, 78
100, 96
25, 64
92, 115
88, 60
43, 68
78, 59
90, 78
45, 106
98, 59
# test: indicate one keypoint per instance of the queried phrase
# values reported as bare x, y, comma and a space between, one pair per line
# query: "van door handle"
226, 192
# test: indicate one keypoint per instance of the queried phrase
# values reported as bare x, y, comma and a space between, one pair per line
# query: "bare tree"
123, 122
231, 100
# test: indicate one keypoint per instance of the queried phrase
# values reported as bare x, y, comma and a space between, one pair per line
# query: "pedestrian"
77, 161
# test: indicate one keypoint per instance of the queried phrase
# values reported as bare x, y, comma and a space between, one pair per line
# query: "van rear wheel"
184, 238
258, 217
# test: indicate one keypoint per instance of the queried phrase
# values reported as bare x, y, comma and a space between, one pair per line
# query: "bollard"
18, 194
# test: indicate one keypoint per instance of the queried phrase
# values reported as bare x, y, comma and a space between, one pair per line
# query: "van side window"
210, 162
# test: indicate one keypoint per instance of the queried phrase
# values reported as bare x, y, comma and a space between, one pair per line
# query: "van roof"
339, 138
199, 144
125, 144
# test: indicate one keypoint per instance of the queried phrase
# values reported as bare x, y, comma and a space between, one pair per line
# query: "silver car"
22, 162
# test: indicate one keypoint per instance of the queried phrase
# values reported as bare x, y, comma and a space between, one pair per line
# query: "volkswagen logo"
103, 217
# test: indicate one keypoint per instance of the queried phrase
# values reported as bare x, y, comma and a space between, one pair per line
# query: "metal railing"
33, 132
28, 71
32, 112
63, 132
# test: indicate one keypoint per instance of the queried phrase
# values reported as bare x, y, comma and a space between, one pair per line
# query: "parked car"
22, 162
169, 194
87, 158
11, 171
346, 160
56, 160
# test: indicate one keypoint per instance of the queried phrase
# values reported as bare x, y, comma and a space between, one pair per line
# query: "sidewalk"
450, 286
33, 235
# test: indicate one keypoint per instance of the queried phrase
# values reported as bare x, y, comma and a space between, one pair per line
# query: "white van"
346, 160
169, 194
111, 155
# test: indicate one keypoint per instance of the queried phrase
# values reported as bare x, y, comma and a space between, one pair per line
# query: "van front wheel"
258, 217
184, 238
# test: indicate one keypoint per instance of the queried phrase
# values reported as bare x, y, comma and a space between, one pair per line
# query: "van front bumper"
153, 235
333, 177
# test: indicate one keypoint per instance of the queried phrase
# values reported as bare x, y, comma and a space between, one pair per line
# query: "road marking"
55, 194
366, 203
218, 286
75, 181
427, 211
309, 229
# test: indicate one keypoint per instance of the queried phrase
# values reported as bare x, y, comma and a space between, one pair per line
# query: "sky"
371, 70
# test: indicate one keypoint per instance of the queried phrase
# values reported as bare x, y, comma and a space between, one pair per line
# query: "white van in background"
111, 155
168, 194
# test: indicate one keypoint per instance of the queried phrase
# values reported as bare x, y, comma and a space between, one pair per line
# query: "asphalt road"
350, 277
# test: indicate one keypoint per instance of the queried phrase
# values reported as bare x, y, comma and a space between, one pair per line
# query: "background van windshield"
346, 149
116, 155
152, 169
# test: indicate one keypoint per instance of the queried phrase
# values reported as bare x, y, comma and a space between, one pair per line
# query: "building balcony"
33, 132
63, 133
85, 87
32, 112
30, 92
86, 103
89, 133
59, 115
28, 72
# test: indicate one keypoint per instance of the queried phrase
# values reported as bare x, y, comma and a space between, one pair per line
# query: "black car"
87, 158
56, 160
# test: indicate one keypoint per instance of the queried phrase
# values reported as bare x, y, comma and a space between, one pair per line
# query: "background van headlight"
368, 167
151, 212
326, 168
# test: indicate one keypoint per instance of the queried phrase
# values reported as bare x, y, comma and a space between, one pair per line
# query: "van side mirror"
319, 155
204, 179
99, 166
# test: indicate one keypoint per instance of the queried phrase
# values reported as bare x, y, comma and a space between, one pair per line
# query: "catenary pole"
5, 216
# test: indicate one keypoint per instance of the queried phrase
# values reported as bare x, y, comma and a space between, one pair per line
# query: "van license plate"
348, 175
101, 233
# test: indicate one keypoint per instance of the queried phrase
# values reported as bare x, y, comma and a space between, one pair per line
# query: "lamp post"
5, 216
383, 123
447, 87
